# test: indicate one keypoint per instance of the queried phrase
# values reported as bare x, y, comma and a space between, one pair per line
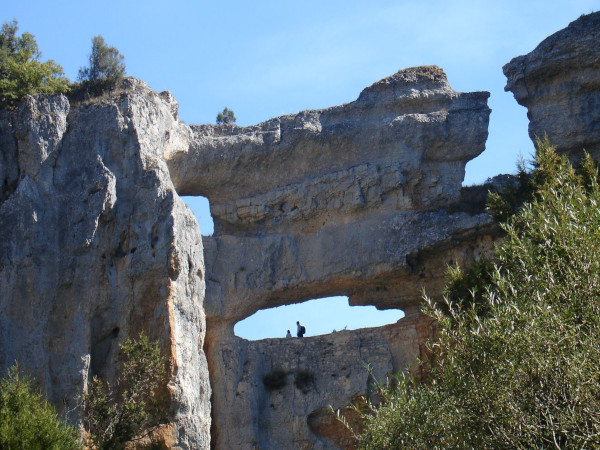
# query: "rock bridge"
362, 200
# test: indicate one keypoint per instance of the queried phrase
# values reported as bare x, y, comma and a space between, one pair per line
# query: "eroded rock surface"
559, 84
96, 245
362, 200
288, 384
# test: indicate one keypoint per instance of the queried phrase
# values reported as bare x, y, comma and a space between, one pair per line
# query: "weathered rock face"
288, 384
362, 200
96, 245
559, 84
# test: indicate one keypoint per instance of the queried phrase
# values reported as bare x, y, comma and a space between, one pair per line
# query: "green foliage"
105, 71
21, 71
136, 405
513, 194
525, 372
226, 117
469, 288
28, 421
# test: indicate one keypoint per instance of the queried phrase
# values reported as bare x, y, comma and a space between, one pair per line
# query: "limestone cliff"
559, 84
96, 245
362, 200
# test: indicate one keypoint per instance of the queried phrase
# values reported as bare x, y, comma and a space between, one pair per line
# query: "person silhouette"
300, 329
288, 334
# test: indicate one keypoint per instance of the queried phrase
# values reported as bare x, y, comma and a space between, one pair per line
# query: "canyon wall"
96, 246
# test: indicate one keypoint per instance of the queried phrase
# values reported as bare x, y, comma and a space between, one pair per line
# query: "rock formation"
559, 84
96, 245
362, 200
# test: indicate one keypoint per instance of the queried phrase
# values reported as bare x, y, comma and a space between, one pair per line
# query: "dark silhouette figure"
301, 329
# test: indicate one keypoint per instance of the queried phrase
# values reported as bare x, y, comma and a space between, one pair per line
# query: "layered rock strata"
362, 200
559, 84
96, 245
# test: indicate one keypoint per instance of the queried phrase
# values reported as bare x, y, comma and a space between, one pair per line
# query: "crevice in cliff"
319, 316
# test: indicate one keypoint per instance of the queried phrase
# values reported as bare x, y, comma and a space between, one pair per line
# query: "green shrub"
226, 117
104, 72
520, 369
28, 421
136, 405
21, 72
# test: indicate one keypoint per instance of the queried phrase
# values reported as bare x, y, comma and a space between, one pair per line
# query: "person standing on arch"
301, 329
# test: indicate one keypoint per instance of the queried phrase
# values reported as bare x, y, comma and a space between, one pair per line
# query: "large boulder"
96, 245
559, 84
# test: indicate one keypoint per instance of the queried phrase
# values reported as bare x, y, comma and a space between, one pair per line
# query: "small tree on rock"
226, 117
105, 71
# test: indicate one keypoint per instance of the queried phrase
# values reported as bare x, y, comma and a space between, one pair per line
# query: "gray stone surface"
288, 384
402, 144
362, 200
96, 245
559, 84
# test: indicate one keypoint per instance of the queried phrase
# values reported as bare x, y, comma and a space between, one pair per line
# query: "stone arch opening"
320, 316
201, 208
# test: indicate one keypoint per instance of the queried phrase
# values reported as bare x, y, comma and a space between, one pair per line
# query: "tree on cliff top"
105, 63
519, 351
226, 117
104, 72
21, 71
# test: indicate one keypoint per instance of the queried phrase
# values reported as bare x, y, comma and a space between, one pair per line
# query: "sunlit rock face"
96, 245
362, 200
559, 84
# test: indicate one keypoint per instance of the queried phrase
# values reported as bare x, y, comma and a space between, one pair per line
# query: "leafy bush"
21, 71
525, 373
28, 421
136, 405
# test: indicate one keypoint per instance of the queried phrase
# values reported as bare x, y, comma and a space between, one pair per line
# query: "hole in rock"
201, 209
319, 316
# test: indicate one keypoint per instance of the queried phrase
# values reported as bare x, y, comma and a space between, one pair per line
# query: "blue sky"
267, 58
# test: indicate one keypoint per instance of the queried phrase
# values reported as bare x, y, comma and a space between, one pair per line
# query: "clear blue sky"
267, 58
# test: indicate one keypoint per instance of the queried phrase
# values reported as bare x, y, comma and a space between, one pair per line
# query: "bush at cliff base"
517, 362
28, 421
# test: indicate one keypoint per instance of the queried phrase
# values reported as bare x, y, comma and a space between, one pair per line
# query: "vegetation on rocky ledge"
22, 72
517, 360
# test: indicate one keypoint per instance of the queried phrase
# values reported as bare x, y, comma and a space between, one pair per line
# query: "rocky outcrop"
559, 84
362, 200
288, 384
96, 245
